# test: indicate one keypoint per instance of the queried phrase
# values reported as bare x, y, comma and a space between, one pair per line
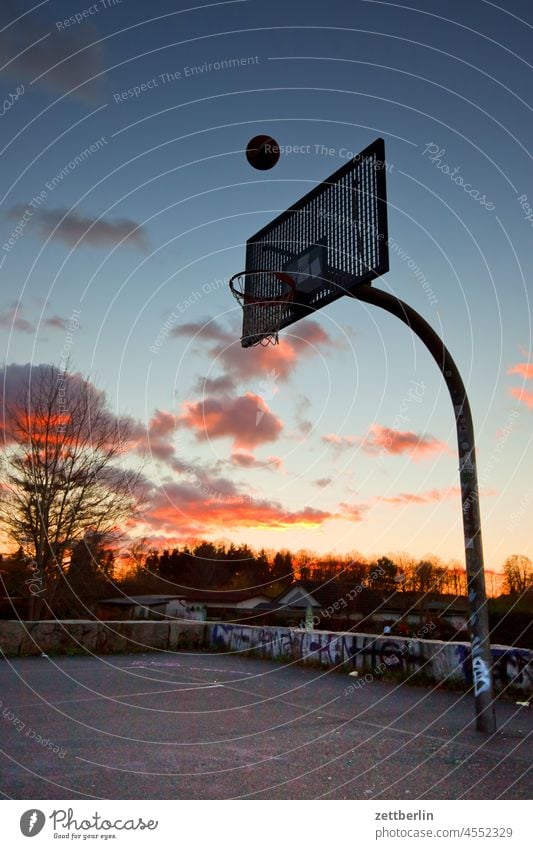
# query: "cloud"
242, 364
207, 331
215, 385
11, 319
18, 381
71, 227
341, 442
322, 482
353, 512
33, 46
154, 438
301, 408
525, 370
401, 442
385, 440
236, 418
189, 510
428, 497
56, 322
524, 396
249, 461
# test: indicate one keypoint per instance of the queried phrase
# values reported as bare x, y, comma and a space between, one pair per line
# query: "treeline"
96, 571
206, 565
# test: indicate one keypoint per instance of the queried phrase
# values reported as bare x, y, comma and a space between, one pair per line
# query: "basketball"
262, 152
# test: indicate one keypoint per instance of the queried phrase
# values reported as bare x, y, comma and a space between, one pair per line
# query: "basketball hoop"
265, 297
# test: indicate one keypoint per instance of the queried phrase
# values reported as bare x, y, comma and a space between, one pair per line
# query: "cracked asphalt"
217, 726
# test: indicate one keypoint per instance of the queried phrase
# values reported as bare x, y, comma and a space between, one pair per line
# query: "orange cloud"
257, 362
353, 512
249, 461
246, 419
524, 396
341, 442
428, 497
523, 369
189, 510
401, 442
385, 440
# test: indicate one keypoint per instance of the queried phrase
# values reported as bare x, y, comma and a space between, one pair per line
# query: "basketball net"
263, 313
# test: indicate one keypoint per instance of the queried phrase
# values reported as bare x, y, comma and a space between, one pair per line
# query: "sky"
126, 203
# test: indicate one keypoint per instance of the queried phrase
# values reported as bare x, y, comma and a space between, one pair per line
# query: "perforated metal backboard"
332, 240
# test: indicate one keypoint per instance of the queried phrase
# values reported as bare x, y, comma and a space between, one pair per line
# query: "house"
142, 607
188, 604
340, 600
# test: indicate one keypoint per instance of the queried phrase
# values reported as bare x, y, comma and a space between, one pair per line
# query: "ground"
218, 726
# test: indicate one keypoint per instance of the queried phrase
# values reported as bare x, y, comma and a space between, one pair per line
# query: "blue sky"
154, 219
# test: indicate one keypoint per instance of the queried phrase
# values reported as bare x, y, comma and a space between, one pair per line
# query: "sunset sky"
341, 438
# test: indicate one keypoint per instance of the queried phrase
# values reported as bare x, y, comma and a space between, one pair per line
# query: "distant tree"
282, 567
385, 582
205, 573
406, 566
87, 577
281, 574
353, 568
429, 576
16, 575
304, 562
455, 579
60, 475
261, 569
518, 571
134, 556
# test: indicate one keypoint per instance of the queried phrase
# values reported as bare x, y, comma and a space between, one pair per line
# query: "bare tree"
455, 579
61, 474
518, 571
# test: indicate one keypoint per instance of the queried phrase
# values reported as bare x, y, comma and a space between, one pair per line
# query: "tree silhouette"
60, 473
518, 572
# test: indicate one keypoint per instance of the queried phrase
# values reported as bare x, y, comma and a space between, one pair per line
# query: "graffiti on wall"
511, 668
366, 652
352, 651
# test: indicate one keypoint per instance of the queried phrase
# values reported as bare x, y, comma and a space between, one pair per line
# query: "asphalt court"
222, 726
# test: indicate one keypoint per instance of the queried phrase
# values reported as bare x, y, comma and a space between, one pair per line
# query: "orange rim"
251, 299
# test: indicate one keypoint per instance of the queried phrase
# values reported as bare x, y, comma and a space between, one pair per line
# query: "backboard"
331, 241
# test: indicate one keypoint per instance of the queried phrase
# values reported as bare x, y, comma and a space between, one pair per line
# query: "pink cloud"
56, 322
244, 364
246, 419
245, 460
525, 370
155, 437
195, 510
524, 396
11, 319
341, 442
384, 439
18, 380
353, 512
428, 497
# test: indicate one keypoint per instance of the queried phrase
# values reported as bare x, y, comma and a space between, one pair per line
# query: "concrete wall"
34, 638
373, 657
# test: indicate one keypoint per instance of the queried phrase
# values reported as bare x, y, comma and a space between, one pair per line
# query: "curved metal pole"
478, 620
